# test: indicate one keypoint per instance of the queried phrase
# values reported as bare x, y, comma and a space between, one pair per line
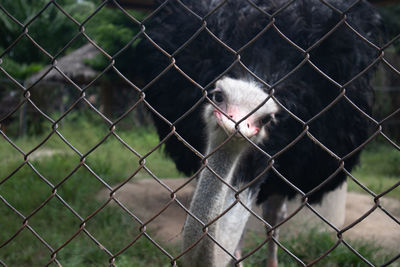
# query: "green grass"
311, 244
111, 157
113, 228
379, 169
25, 190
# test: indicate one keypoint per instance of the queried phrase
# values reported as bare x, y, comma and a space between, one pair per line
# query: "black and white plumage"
341, 56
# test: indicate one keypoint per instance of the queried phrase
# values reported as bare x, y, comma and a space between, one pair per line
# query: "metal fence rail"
25, 91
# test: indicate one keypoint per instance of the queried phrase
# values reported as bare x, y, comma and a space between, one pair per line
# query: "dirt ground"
146, 198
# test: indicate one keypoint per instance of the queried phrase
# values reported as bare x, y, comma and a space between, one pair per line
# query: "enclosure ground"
146, 197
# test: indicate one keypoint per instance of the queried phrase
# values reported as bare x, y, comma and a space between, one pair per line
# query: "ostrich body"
280, 110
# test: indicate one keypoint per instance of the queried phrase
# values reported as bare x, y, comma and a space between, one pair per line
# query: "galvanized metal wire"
26, 91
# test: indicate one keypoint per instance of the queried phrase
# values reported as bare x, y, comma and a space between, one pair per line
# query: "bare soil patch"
146, 198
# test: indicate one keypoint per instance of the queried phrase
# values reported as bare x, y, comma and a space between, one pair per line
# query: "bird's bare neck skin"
235, 99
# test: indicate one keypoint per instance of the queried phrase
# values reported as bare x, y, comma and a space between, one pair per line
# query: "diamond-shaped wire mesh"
42, 98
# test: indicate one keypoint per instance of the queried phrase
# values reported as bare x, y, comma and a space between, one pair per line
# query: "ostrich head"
238, 101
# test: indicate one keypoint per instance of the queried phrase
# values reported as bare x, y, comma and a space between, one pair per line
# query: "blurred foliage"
379, 169
53, 30
112, 30
21, 70
391, 18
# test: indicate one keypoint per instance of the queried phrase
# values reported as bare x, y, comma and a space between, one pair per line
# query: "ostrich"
265, 100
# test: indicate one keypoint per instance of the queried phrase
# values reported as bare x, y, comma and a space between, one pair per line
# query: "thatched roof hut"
72, 65
50, 93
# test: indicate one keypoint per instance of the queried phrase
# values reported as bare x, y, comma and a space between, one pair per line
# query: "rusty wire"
26, 92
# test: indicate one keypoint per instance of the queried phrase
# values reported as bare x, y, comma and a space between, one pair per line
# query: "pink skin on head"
247, 127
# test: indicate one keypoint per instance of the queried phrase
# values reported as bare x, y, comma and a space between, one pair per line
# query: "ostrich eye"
266, 119
218, 97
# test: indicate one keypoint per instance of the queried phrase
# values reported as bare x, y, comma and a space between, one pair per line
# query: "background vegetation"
109, 28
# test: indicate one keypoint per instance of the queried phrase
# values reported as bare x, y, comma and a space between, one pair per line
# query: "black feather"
341, 56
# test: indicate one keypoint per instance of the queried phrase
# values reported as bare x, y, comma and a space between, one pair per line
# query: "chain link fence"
22, 98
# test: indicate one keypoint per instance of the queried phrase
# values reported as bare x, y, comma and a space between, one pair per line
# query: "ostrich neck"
211, 198
210, 195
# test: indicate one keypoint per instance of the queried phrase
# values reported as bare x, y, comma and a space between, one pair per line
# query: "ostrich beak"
246, 127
